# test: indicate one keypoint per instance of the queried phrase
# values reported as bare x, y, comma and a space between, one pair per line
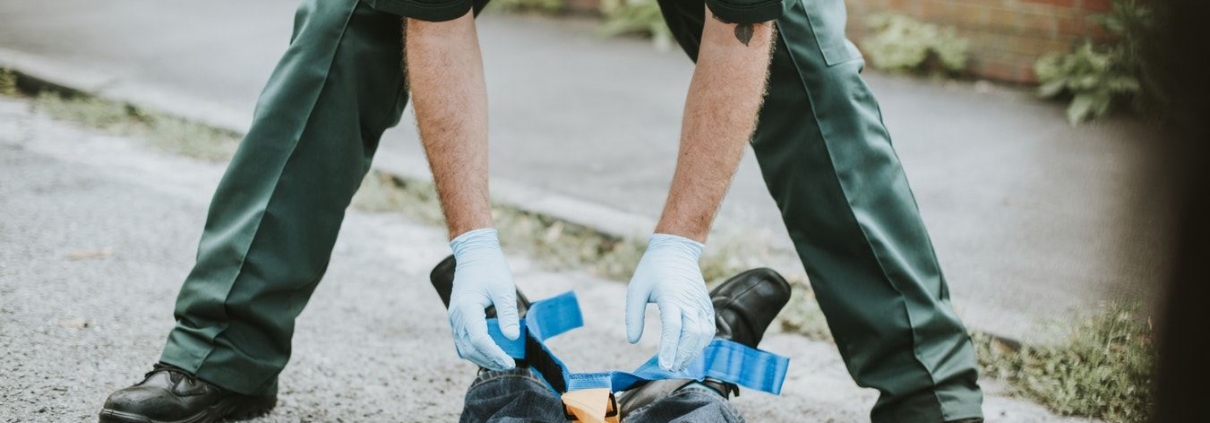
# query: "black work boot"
744, 306
170, 395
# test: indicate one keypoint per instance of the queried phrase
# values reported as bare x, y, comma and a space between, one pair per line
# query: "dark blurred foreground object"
1182, 71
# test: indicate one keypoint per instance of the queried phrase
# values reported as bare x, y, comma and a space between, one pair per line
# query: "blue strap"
723, 359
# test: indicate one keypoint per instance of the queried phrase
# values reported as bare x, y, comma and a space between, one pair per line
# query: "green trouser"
828, 162
274, 218
824, 152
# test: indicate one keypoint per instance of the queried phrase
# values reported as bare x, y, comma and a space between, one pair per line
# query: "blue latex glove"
669, 276
481, 279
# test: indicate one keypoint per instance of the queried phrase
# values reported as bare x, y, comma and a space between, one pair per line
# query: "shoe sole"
228, 410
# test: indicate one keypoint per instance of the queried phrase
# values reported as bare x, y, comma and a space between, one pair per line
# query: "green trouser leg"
276, 213
828, 162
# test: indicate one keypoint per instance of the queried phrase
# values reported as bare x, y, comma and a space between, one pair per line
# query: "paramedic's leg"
276, 213
828, 162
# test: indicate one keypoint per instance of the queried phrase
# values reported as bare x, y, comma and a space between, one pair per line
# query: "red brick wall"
1006, 36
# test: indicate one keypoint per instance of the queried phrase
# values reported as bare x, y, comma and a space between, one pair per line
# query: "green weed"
1098, 75
901, 44
166, 133
8, 83
549, 7
1103, 370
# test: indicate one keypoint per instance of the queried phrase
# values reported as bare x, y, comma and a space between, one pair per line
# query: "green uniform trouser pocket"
276, 213
827, 160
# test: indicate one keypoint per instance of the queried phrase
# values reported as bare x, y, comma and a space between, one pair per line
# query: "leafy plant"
902, 44
1104, 370
641, 17
540, 6
1096, 76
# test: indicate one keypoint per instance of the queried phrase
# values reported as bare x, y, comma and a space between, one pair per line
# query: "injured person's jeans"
520, 395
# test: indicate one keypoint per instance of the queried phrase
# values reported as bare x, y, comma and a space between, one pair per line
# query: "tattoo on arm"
743, 32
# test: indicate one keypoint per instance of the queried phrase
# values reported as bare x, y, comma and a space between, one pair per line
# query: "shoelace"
172, 370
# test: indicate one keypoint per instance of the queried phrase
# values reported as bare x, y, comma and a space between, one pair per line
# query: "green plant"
168, 133
1096, 76
540, 6
901, 44
8, 83
1103, 370
641, 17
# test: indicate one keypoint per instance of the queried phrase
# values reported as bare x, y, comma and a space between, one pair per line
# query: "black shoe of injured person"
168, 394
744, 307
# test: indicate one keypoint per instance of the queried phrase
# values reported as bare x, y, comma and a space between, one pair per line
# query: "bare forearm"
720, 116
445, 74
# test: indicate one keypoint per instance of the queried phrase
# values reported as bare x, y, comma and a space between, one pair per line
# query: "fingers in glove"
485, 345
473, 341
505, 301
636, 308
670, 335
695, 336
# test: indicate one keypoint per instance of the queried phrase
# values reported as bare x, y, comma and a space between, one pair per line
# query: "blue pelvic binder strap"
722, 360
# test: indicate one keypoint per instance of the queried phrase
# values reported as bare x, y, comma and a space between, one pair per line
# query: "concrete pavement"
98, 232
1032, 219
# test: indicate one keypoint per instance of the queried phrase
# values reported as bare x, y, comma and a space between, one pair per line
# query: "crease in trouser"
276, 213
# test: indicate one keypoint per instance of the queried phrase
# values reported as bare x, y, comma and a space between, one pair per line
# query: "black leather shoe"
746, 304
744, 307
170, 395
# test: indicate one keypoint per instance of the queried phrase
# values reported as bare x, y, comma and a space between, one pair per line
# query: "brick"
1027, 75
1036, 47
1074, 25
971, 14
901, 6
1096, 5
999, 71
1064, 3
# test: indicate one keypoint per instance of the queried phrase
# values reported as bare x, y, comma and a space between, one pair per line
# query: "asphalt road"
1032, 219
98, 231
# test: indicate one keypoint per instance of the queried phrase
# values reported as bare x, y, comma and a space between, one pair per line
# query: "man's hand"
481, 279
669, 276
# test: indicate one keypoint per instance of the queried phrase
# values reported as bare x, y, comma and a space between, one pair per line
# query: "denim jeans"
519, 395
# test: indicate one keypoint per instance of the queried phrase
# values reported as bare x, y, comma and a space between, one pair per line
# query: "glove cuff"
478, 239
677, 243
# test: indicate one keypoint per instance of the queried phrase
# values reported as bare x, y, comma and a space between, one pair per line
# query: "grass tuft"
166, 133
1103, 370
8, 83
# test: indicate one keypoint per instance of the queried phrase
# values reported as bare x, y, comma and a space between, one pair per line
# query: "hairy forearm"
724, 98
449, 96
